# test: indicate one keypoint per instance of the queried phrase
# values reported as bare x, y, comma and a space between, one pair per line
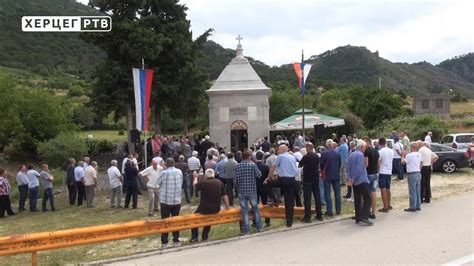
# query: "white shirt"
298, 172
90, 176
413, 161
124, 162
386, 161
152, 175
426, 156
397, 147
298, 156
114, 176
428, 139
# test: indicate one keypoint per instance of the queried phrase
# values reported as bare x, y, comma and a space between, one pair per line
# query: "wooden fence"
32, 243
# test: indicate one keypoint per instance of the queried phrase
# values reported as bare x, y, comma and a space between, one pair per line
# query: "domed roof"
238, 75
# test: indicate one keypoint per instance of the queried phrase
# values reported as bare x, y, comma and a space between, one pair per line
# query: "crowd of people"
294, 169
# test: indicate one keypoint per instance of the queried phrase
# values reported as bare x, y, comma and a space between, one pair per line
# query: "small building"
238, 105
432, 104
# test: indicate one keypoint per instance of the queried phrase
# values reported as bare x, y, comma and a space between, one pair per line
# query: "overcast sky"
275, 31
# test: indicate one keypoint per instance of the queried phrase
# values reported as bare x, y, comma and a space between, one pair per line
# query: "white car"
457, 141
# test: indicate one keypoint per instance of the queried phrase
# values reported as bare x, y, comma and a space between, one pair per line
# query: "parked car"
450, 159
457, 141
389, 142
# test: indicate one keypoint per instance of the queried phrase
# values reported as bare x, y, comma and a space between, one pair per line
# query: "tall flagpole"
144, 132
302, 91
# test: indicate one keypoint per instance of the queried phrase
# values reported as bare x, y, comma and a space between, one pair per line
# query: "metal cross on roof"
239, 38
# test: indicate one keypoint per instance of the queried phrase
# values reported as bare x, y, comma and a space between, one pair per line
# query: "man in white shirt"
397, 158
116, 179
413, 162
428, 137
151, 174
385, 174
428, 158
90, 181
193, 165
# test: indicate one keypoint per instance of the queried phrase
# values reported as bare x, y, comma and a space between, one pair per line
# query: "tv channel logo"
66, 23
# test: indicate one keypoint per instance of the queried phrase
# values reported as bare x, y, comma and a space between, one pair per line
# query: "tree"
56, 151
374, 106
10, 122
43, 117
180, 82
125, 45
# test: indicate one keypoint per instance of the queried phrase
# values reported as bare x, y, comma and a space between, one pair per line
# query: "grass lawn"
460, 108
112, 135
73, 216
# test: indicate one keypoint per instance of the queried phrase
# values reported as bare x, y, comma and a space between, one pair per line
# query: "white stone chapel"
238, 105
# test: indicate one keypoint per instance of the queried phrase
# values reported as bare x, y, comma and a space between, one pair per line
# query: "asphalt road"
441, 233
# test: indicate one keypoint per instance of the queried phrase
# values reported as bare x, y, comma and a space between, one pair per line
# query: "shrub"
97, 146
76, 91
415, 126
58, 150
121, 133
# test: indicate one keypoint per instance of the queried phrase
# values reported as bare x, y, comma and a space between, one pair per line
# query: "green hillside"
45, 53
349, 65
462, 65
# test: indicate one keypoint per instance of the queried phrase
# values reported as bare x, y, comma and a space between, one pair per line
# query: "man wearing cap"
212, 193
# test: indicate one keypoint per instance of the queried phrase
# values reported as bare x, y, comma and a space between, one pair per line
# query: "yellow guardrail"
32, 243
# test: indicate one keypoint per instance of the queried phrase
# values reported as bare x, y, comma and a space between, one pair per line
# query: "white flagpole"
144, 132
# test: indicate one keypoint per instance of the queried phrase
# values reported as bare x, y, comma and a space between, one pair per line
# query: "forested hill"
462, 65
45, 53
349, 65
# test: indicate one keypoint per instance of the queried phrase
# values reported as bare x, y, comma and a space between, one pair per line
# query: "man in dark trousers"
331, 170
263, 190
360, 183
5, 188
310, 164
287, 170
71, 181
212, 193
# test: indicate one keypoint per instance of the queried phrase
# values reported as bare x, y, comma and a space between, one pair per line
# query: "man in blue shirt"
359, 180
331, 168
246, 174
33, 185
287, 170
220, 170
343, 150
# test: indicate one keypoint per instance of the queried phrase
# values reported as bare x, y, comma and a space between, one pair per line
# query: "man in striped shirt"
170, 182
5, 204
246, 174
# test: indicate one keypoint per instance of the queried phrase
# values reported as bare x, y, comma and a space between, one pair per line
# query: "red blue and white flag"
302, 72
142, 79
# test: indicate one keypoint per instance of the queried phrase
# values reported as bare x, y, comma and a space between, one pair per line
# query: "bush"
97, 146
415, 126
76, 91
121, 133
57, 151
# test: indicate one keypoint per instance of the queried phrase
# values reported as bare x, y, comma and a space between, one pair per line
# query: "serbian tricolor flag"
142, 79
302, 72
